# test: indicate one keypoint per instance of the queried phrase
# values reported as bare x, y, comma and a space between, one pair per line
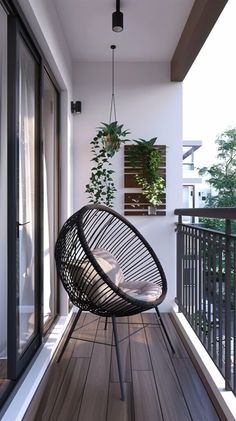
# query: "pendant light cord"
113, 102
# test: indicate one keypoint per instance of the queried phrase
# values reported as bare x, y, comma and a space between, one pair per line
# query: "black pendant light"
113, 102
117, 18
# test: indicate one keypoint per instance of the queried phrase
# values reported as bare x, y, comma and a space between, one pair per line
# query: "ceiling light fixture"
117, 18
113, 101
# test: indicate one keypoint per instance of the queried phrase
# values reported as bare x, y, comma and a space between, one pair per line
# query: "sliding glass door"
3, 193
24, 214
29, 196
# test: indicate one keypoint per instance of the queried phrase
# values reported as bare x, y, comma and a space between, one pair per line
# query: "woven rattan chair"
108, 268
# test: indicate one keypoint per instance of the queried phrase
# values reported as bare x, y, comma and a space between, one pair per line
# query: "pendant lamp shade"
117, 18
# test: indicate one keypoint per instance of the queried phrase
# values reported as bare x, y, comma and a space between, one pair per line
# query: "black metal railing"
206, 279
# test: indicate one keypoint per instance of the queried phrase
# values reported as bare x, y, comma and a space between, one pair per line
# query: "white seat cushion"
109, 265
88, 275
141, 290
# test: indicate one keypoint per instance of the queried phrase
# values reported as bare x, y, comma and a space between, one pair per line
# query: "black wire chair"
108, 268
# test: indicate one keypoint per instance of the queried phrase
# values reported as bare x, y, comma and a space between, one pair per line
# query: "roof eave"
201, 20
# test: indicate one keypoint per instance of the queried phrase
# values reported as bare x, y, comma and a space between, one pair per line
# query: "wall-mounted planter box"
134, 201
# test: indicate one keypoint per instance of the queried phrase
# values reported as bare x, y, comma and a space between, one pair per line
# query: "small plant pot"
111, 146
152, 210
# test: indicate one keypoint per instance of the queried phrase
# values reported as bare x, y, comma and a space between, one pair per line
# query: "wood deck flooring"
5, 384
159, 385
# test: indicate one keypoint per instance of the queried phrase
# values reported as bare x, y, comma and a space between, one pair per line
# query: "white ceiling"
151, 32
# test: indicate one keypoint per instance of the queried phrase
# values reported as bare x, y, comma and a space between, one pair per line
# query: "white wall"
44, 22
149, 105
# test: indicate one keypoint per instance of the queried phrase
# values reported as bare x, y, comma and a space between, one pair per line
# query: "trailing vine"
101, 188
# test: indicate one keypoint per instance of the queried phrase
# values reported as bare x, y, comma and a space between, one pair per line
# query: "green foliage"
106, 143
152, 191
222, 175
149, 157
217, 224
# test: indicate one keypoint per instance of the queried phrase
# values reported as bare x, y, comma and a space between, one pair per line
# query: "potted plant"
112, 135
146, 156
101, 188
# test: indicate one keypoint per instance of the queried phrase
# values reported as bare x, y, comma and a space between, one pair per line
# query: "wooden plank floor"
159, 385
5, 384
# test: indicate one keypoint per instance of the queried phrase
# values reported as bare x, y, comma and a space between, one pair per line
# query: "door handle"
18, 225
22, 224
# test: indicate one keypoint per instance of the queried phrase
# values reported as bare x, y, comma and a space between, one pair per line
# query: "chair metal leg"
105, 327
122, 395
165, 331
69, 334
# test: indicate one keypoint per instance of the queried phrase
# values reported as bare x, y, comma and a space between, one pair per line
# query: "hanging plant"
101, 188
148, 157
112, 135
106, 143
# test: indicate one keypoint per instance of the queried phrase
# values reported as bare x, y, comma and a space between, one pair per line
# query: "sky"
209, 89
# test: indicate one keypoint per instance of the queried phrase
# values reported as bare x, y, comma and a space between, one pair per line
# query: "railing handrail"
200, 228
218, 213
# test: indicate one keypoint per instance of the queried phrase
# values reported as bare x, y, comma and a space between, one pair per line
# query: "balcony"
69, 60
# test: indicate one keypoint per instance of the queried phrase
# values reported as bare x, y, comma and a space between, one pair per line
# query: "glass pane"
50, 176
27, 101
3, 192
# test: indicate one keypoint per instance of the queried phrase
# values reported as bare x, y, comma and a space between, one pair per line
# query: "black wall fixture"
76, 107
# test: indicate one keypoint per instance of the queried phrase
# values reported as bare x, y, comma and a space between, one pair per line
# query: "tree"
222, 176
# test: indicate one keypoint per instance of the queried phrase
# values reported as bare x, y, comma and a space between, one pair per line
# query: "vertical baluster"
203, 325
200, 274
234, 307
192, 260
221, 331
185, 272
196, 278
180, 256
215, 246
189, 276
209, 282
227, 307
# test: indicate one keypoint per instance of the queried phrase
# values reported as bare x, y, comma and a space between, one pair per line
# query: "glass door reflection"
26, 192
50, 198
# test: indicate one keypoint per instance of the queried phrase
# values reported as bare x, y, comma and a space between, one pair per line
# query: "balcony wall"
149, 105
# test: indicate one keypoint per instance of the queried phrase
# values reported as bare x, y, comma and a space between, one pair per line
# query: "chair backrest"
85, 236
